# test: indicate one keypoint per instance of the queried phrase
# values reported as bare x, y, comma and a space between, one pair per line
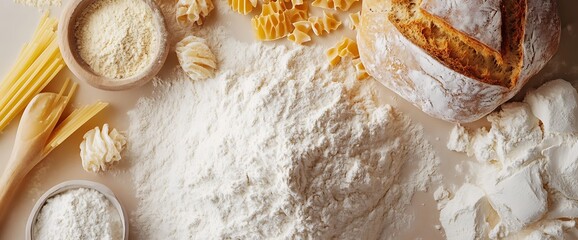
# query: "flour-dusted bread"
457, 60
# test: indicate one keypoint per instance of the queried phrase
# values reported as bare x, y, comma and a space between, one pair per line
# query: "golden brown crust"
419, 75
459, 51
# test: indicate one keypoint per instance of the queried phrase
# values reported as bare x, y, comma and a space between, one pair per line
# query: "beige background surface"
17, 23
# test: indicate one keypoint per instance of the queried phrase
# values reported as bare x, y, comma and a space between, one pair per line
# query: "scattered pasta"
342, 5
300, 32
273, 7
298, 13
354, 20
327, 24
361, 72
196, 58
344, 48
271, 27
193, 11
273, 22
242, 6
297, 2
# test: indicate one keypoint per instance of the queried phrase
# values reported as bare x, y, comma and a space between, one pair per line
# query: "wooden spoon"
38, 121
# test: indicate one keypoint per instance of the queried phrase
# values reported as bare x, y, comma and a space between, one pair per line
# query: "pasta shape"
300, 32
297, 2
193, 11
298, 13
196, 58
271, 27
327, 23
344, 48
242, 6
273, 7
101, 148
273, 22
360, 69
354, 20
342, 5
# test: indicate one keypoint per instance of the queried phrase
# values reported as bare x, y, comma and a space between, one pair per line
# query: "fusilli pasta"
193, 11
327, 23
196, 58
300, 32
242, 6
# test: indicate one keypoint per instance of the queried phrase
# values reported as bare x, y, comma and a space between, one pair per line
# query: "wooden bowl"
69, 49
75, 184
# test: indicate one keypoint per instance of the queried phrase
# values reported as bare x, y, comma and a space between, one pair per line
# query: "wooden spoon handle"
19, 165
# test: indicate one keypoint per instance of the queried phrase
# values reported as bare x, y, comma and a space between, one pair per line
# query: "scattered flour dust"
40, 3
277, 145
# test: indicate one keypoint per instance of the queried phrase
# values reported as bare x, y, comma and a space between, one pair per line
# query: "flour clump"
527, 167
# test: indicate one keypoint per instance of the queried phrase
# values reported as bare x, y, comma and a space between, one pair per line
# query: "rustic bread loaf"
457, 60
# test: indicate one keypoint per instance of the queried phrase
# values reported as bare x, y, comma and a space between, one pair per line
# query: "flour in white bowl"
277, 145
78, 214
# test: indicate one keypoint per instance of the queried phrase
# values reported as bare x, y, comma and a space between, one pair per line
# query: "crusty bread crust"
438, 88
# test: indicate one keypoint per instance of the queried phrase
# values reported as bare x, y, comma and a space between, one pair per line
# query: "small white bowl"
75, 184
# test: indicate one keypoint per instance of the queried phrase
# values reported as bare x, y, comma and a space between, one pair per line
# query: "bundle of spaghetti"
37, 64
72, 123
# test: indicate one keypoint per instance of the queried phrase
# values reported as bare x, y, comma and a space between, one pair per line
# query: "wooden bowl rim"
76, 64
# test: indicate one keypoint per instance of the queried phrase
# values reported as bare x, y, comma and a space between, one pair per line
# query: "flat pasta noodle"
71, 124
242, 6
193, 11
344, 48
342, 5
361, 73
354, 20
195, 58
273, 7
301, 31
298, 13
37, 64
326, 24
271, 27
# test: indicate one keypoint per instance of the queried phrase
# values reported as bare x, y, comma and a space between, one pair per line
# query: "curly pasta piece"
193, 11
354, 20
273, 22
273, 7
344, 48
300, 32
242, 6
298, 13
196, 58
271, 27
297, 2
327, 23
360, 69
342, 5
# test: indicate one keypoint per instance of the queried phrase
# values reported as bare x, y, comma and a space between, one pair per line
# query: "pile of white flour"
277, 145
525, 183
78, 214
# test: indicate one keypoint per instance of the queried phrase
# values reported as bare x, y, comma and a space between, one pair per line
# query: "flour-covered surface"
283, 147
